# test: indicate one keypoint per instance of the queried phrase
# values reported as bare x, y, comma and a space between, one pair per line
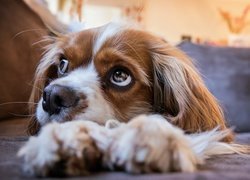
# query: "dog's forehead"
106, 33
89, 41
81, 48
77, 47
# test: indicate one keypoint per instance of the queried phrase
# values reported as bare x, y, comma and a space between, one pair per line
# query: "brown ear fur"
181, 93
34, 126
44, 73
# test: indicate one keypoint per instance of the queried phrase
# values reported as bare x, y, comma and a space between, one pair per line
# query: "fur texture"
166, 82
145, 144
120, 77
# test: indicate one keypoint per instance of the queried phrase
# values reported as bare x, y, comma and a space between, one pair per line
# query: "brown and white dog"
119, 97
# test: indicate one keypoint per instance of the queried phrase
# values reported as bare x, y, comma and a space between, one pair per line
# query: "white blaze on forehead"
79, 78
105, 33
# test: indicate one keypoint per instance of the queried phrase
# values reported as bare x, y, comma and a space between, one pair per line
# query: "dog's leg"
65, 149
150, 143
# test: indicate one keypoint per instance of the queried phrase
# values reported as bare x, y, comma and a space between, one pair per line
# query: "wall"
173, 18
168, 18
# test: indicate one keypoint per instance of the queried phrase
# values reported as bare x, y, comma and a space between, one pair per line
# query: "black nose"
56, 97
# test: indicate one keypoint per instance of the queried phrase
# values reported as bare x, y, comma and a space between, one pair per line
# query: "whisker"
41, 41
7, 103
49, 39
22, 115
44, 78
24, 31
32, 85
40, 90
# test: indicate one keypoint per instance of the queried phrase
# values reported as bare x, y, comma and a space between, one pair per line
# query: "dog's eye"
63, 67
120, 78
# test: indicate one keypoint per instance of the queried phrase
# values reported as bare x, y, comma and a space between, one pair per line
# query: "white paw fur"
148, 143
68, 143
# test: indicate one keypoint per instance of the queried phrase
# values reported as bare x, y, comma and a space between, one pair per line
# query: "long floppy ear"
180, 93
45, 72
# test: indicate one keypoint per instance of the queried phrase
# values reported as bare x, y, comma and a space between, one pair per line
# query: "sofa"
226, 72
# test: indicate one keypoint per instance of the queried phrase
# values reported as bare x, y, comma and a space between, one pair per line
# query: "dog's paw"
151, 144
61, 149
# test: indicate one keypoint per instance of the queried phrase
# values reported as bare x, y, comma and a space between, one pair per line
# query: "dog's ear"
180, 93
45, 72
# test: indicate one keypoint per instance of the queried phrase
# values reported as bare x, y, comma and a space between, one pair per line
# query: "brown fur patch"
165, 80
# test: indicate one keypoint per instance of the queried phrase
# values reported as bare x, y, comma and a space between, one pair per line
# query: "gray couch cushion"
226, 72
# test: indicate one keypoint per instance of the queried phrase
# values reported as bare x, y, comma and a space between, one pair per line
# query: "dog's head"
113, 72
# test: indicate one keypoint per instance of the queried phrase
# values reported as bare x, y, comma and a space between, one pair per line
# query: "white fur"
145, 144
42, 152
42, 117
85, 81
105, 33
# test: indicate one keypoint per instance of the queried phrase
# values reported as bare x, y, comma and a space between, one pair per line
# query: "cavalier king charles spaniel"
119, 98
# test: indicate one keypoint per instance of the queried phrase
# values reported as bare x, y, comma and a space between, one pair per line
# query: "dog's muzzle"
57, 97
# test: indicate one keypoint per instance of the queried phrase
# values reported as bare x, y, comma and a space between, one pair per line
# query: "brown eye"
63, 67
120, 78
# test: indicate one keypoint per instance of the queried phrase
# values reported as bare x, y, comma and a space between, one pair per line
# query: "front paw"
61, 149
151, 144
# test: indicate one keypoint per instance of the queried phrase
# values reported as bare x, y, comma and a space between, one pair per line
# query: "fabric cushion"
21, 29
226, 72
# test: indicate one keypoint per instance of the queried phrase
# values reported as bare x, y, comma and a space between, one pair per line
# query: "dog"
117, 97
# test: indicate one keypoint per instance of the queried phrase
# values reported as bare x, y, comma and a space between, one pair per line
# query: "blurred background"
216, 22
